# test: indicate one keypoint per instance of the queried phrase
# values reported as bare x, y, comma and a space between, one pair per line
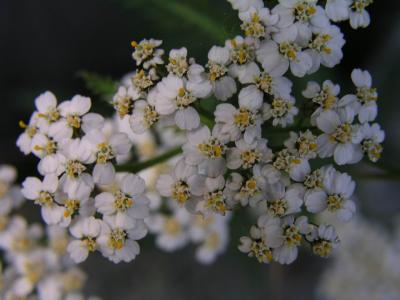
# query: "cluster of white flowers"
36, 264
230, 158
227, 160
80, 188
367, 267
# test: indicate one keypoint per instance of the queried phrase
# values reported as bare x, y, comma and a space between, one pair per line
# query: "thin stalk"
137, 167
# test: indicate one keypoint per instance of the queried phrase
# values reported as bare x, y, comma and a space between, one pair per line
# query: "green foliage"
102, 86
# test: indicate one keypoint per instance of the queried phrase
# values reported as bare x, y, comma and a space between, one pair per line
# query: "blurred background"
43, 46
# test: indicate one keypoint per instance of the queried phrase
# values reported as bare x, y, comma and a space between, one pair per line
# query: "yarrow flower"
207, 140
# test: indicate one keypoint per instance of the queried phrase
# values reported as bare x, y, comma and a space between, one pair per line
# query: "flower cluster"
228, 159
367, 266
243, 140
80, 188
36, 264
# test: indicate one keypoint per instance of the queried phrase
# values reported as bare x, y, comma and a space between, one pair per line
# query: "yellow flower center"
184, 98
141, 80
216, 202
172, 226
289, 50
117, 238
280, 107
319, 43
373, 150
122, 202
45, 199
215, 70
250, 158
74, 121
212, 149
244, 118
334, 202
150, 116
314, 180
304, 10
253, 28
123, 105
277, 208
342, 134
322, 248
360, 5
177, 65
365, 94
71, 206
260, 251
264, 82
180, 192
104, 153
90, 243
241, 53
74, 168
291, 236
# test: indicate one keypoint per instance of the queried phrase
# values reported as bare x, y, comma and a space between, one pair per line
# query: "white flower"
42, 192
182, 184
339, 137
146, 53
86, 231
78, 154
359, 16
215, 240
325, 47
296, 167
302, 144
223, 85
283, 52
205, 151
270, 82
172, 233
334, 196
366, 95
127, 202
10, 196
244, 5
284, 236
246, 155
256, 246
123, 100
30, 130
178, 64
117, 241
338, 10
176, 95
282, 201
106, 149
144, 114
256, 21
325, 96
372, 138
303, 15
242, 54
214, 199
324, 240
281, 110
233, 123
75, 116
48, 112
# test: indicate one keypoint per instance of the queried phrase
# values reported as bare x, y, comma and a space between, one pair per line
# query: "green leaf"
99, 85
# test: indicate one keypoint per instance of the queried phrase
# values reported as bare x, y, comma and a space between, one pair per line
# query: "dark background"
44, 43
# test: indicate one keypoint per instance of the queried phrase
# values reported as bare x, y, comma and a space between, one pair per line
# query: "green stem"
391, 172
137, 167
